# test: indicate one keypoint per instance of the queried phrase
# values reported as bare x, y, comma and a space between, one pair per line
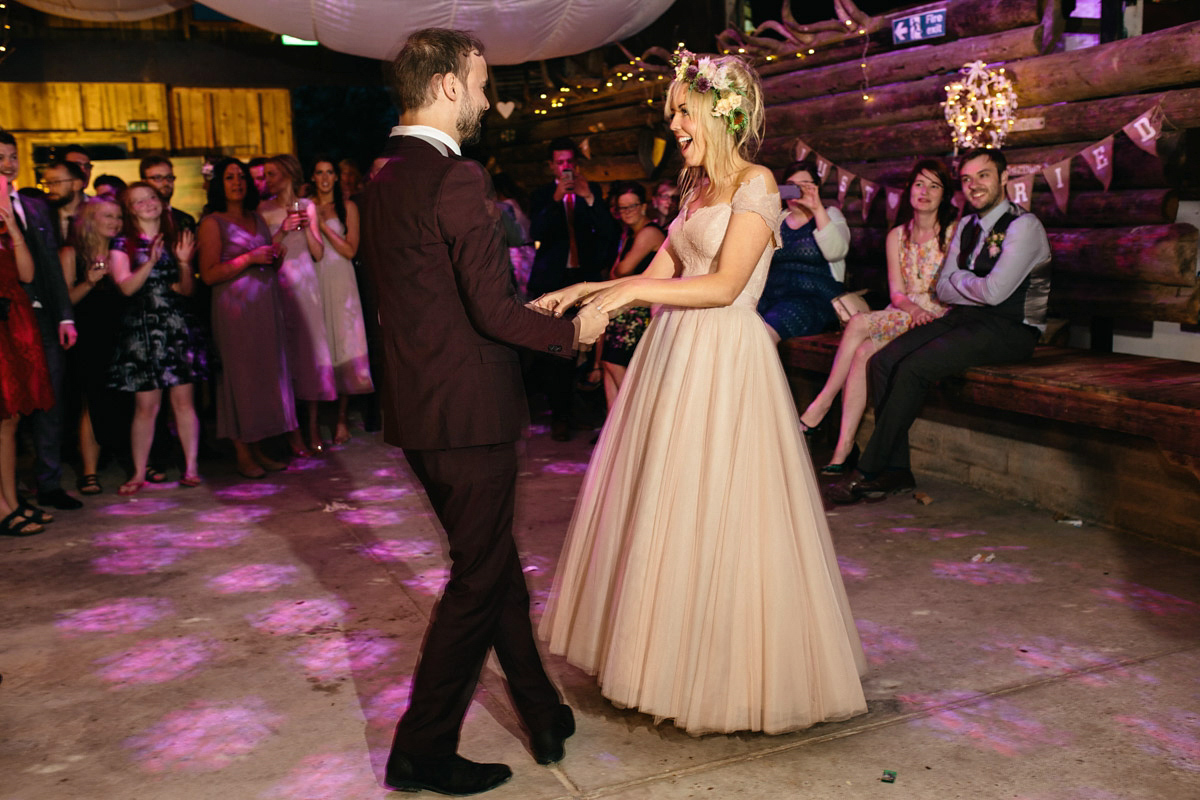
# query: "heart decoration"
506, 108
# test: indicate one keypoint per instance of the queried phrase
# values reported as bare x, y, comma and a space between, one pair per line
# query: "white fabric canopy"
513, 31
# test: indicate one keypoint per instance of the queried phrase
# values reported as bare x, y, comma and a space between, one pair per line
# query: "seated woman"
807, 272
158, 347
640, 239
99, 307
916, 248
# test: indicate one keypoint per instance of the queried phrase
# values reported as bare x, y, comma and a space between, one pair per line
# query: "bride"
698, 581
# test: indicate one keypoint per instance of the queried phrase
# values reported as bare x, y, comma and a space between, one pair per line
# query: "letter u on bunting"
1058, 178
1099, 158
824, 167
1145, 130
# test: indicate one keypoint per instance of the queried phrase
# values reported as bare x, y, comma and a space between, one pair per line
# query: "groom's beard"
468, 123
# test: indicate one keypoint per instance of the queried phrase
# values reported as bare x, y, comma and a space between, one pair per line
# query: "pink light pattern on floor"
170, 536
329, 776
430, 581
881, 643
248, 491
137, 560
125, 615
566, 468
996, 725
379, 494
400, 549
140, 508
851, 569
205, 736
1046, 656
937, 534
289, 617
156, 661
254, 578
371, 517
334, 656
1175, 738
387, 706
983, 574
1143, 598
235, 515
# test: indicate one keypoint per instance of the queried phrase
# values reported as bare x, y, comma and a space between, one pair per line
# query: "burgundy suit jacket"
449, 313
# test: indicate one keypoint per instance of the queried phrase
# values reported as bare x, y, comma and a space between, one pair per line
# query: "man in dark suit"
576, 236
52, 307
453, 400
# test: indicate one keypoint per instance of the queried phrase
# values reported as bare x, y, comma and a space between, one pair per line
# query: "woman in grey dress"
237, 259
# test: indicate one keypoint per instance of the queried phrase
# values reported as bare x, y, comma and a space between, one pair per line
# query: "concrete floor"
252, 639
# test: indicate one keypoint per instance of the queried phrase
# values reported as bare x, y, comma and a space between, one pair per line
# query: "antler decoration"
849, 24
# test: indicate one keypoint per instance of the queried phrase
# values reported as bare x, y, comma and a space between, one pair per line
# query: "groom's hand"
591, 324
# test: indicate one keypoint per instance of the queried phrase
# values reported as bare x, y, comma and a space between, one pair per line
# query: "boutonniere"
993, 241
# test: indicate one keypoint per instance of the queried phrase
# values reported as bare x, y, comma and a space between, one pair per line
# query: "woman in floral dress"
916, 248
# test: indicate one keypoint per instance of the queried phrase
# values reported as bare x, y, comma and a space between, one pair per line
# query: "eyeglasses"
629, 208
161, 178
60, 180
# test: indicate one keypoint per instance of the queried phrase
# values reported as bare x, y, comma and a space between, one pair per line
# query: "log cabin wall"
1067, 101
240, 122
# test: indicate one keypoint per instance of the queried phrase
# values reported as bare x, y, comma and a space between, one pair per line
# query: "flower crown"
703, 76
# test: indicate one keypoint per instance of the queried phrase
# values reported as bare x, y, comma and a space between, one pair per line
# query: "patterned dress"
625, 331
159, 344
24, 378
797, 300
919, 266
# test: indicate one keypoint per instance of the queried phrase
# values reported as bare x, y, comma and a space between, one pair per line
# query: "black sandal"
89, 484
28, 510
17, 524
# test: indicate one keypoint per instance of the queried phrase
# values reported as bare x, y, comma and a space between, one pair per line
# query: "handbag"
848, 304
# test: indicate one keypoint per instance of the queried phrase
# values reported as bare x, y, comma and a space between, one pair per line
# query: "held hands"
557, 303
920, 316
591, 324
613, 299
184, 247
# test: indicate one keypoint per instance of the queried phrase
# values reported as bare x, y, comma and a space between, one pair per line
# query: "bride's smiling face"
688, 132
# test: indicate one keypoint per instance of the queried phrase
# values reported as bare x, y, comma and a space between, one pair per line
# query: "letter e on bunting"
1058, 178
1145, 130
893, 204
845, 178
1020, 191
800, 150
1099, 158
869, 190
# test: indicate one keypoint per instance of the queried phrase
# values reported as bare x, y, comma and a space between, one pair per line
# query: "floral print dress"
919, 266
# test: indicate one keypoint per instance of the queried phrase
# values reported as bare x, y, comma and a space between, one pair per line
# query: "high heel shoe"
844, 467
811, 430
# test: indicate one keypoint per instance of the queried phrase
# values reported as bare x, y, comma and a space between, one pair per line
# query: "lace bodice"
696, 237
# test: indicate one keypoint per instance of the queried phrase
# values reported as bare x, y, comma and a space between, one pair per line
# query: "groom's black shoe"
547, 744
453, 774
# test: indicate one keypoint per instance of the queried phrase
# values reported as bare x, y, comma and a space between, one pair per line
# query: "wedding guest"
258, 167
292, 221
236, 257
337, 219
916, 248
349, 177
25, 380
158, 347
99, 308
665, 203
77, 155
807, 272
108, 186
640, 239
64, 182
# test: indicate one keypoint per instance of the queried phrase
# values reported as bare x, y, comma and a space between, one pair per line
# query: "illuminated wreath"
980, 107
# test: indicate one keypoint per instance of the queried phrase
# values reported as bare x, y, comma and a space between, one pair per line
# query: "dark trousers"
902, 372
46, 427
485, 603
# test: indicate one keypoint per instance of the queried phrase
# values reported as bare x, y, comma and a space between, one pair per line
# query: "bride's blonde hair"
723, 147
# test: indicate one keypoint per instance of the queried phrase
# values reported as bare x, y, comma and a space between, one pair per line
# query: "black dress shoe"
547, 745
891, 481
57, 498
843, 492
452, 775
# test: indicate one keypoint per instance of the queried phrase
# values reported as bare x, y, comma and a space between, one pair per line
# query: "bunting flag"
824, 167
845, 178
1020, 191
893, 204
1099, 158
869, 189
1145, 130
800, 150
1058, 177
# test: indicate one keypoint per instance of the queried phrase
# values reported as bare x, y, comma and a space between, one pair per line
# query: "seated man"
996, 280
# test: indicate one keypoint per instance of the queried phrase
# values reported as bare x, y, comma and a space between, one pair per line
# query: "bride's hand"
613, 299
558, 302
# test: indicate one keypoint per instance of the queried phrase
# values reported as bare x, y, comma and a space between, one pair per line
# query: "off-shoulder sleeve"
752, 197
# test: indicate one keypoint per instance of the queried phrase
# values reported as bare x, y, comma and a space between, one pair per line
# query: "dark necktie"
966, 245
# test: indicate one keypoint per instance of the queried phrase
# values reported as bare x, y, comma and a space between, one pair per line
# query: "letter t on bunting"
1145, 130
1099, 158
1058, 177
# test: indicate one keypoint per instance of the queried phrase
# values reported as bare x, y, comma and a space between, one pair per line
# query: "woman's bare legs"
614, 374
314, 431
341, 433
188, 427
854, 400
856, 332
89, 448
141, 436
8, 465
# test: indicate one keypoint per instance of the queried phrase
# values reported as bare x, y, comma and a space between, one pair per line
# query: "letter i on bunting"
1058, 178
1145, 130
869, 190
845, 179
800, 150
1099, 158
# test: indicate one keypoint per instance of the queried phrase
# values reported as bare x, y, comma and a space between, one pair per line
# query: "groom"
454, 401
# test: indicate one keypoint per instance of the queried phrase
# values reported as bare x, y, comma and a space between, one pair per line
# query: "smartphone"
568, 176
788, 191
